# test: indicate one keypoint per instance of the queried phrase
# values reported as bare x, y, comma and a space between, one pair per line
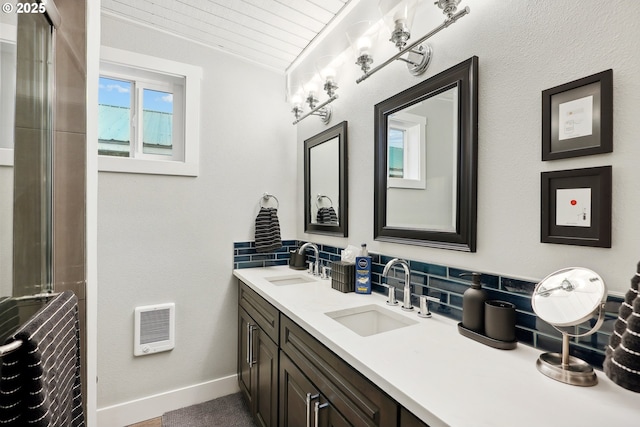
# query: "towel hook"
322, 196
266, 197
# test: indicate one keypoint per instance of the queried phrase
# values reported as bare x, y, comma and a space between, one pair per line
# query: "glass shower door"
32, 223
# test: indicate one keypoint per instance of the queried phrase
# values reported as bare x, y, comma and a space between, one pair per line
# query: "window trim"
192, 78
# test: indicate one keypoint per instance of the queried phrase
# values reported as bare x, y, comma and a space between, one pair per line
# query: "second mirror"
325, 182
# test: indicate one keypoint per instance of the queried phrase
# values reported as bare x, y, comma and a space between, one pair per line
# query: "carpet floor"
227, 411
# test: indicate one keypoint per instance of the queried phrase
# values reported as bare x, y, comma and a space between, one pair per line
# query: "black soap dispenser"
473, 301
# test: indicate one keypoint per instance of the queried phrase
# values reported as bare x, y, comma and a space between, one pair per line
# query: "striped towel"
40, 384
268, 230
327, 216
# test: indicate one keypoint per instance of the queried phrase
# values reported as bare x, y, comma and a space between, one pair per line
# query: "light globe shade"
398, 13
311, 87
296, 99
327, 67
362, 35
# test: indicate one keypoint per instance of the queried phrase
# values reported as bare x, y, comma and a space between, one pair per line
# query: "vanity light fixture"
400, 17
322, 110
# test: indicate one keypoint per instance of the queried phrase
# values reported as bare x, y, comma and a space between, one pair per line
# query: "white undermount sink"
371, 319
289, 279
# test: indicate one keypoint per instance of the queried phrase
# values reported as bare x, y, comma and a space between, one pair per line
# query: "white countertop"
439, 375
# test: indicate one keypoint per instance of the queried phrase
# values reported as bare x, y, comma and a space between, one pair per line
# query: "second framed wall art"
576, 207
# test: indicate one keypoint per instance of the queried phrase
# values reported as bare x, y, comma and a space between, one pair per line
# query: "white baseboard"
146, 408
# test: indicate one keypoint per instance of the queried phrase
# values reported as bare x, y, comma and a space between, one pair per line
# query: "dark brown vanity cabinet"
290, 379
355, 398
258, 356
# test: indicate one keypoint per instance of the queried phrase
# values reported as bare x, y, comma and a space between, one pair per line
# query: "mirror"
426, 162
325, 182
563, 299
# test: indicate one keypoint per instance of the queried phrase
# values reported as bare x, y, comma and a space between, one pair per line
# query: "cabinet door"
295, 411
244, 371
299, 399
265, 375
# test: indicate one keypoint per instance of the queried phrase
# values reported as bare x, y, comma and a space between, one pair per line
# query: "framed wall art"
577, 117
576, 207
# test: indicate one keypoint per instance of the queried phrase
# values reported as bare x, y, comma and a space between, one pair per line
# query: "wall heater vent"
154, 329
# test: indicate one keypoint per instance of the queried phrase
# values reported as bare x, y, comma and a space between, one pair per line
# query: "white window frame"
145, 71
414, 152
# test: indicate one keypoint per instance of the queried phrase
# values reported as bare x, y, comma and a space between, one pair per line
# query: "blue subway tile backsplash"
246, 256
446, 283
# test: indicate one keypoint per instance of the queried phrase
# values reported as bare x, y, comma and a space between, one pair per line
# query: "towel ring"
267, 196
322, 196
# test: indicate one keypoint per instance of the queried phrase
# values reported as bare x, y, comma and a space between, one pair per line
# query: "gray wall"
524, 47
170, 239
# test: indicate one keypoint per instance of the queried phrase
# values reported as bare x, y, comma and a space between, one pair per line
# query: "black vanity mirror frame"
339, 131
465, 75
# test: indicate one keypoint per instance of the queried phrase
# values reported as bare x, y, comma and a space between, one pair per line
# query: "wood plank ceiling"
270, 32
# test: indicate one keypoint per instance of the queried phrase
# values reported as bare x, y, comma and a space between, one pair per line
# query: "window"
114, 117
407, 152
148, 114
397, 138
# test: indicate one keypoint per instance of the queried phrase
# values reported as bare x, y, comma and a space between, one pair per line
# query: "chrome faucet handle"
325, 272
391, 300
424, 305
311, 269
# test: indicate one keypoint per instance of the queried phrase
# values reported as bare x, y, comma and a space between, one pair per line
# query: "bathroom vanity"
308, 353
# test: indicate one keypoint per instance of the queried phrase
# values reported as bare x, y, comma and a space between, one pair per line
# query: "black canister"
500, 320
473, 301
297, 261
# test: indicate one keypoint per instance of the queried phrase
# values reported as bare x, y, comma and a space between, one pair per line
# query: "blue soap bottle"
363, 271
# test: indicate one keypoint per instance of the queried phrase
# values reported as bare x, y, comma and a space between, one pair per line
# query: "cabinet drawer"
263, 313
354, 396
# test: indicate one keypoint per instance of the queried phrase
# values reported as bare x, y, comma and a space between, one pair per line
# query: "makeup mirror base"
566, 368
576, 372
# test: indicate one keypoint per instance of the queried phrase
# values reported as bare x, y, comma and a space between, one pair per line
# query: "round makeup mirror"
565, 299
